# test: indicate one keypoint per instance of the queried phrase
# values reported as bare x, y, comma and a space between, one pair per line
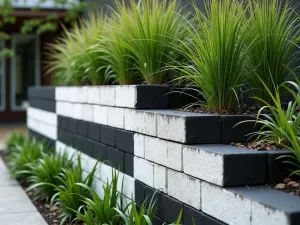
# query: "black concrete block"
179, 97
168, 208
231, 132
116, 157
82, 128
129, 164
139, 191
204, 129
87, 146
60, 134
68, 138
108, 136
100, 151
65, 123
124, 140
152, 97
199, 217
94, 131
157, 221
60, 121
77, 142
239, 169
47, 105
45, 92
73, 125
277, 170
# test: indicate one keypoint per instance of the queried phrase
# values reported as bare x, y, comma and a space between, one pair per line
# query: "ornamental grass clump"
217, 54
73, 57
143, 38
274, 27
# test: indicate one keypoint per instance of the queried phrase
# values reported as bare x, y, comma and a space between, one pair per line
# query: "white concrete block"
98, 187
60, 108
263, 215
82, 94
129, 120
225, 205
115, 117
72, 94
100, 114
160, 178
126, 96
107, 95
144, 171
163, 152
94, 95
203, 165
128, 185
106, 173
178, 186
42, 115
88, 112
59, 94
77, 111
145, 122
171, 127
139, 145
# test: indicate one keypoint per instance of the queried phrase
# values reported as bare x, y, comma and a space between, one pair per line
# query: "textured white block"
139, 145
82, 94
126, 96
115, 117
107, 95
77, 111
72, 94
59, 94
100, 114
160, 178
94, 95
204, 165
171, 127
225, 205
143, 171
179, 185
128, 185
98, 187
105, 173
263, 215
88, 112
145, 122
42, 115
129, 120
163, 152
60, 108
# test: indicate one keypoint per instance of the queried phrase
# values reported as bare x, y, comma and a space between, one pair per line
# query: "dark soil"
289, 186
243, 110
255, 146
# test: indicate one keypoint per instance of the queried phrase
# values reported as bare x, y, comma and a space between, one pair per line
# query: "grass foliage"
274, 27
217, 54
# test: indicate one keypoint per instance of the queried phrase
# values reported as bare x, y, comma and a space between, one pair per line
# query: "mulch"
289, 186
258, 146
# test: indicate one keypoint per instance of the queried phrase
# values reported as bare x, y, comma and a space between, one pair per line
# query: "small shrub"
47, 170
30, 151
13, 140
97, 211
217, 54
274, 27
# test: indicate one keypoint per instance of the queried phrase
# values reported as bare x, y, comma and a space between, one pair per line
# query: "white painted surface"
42, 115
139, 145
126, 96
160, 178
145, 122
88, 112
100, 114
115, 117
107, 95
143, 171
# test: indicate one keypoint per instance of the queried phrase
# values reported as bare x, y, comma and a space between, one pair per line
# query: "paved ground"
15, 206
7, 129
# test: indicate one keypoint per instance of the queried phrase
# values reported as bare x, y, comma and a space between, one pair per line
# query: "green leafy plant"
282, 126
24, 153
13, 140
143, 216
97, 211
150, 32
47, 170
73, 56
274, 27
69, 197
217, 54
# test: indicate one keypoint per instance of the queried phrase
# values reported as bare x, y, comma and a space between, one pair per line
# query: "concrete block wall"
178, 154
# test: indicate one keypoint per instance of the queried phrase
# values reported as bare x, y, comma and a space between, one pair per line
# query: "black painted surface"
47, 105
152, 97
82, 128
129, 164
108, 136
200, 218
124, 140
42, 92
139, 189
116, 157
48, 141
100, 151
88, 147
94, 131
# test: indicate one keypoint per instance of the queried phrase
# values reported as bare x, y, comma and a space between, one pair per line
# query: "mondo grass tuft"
274, 31
217, 54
